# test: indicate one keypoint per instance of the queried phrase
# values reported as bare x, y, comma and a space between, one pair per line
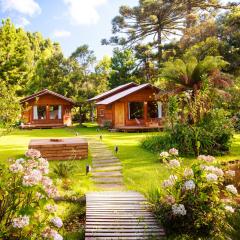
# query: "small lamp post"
116, 149
88, 169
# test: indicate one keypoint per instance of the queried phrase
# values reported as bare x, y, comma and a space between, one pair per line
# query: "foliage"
27, 210
229, 34
196, 139
122, 67
192, 200
63, 169
9, 107
237, 121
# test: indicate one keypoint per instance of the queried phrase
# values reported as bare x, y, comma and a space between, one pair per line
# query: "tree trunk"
159, 46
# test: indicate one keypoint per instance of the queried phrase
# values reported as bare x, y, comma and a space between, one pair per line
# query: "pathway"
119, 215
106, 168
116, 214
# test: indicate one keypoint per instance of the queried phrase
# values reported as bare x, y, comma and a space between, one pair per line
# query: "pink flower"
33, 153
51, 208
207, 158
51, 234
43, 165
51, 191
173, 151
20, 222
16, 167
230, 173
46, 181
33, 178
57, 221
174, 163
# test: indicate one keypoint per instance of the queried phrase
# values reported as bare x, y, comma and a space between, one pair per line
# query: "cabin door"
119, 114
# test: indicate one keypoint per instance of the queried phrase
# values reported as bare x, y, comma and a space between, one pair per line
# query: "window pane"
41, 112
53, 109
136, 110
152, 110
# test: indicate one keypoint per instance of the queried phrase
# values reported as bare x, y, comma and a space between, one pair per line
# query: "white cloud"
28, 7
84, 12
22, 22
61, 33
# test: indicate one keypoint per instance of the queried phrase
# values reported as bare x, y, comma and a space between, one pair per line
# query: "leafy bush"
27, 210
237, 122
107, 124
210, 136
194, 201
63, 169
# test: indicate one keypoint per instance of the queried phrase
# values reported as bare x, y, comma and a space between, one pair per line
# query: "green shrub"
237, 122
210, 136
192, 201
63, 169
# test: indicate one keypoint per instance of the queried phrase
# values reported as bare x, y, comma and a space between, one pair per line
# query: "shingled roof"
125, 93
43, 92
113, 91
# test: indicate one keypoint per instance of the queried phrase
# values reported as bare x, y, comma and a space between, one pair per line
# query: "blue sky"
70, 22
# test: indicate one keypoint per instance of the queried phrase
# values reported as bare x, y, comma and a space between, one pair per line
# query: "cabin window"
101, 112
55, 112
136, 110
39, 112
154, 109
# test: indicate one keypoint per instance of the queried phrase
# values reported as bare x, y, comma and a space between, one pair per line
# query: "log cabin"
46, 109
130, 107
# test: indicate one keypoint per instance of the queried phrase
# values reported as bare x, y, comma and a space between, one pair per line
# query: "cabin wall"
47, 100
104, 114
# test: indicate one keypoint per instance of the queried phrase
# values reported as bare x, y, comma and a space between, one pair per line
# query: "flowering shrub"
27, 210
194, 201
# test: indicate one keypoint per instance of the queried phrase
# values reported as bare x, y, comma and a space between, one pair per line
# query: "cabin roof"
43, 92
113, 91
125, 93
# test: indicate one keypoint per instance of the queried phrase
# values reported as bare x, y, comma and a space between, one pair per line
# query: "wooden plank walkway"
119, 215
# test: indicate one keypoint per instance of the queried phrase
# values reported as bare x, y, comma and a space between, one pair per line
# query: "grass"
141, 169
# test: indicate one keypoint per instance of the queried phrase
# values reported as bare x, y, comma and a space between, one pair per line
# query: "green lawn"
141, 169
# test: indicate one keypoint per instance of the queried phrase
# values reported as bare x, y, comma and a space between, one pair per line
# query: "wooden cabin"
130, 107
46, 109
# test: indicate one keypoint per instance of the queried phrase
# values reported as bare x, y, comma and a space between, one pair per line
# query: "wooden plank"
119, 215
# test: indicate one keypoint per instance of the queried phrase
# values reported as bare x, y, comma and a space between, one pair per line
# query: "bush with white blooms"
193, 201
27, 209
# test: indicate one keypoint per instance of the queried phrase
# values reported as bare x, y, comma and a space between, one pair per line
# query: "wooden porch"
42, 126
138, 129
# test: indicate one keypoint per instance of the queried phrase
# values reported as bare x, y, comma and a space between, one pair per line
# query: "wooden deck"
139, 128
41, 126
119, 215
61, 149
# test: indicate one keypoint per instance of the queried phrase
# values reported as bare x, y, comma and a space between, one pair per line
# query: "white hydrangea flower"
179, 209
230, 173
211, 177
57, 221
207, 158
57, 236
16, 167
33, 178
188, 172
218, 171
173, 151
51, 208
164, 154
174, 163
173, 178
20, 160
20, 222
167, 183
231, 189
189, 185
229, 209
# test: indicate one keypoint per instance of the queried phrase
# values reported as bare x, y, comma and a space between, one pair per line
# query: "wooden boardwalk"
119, 215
